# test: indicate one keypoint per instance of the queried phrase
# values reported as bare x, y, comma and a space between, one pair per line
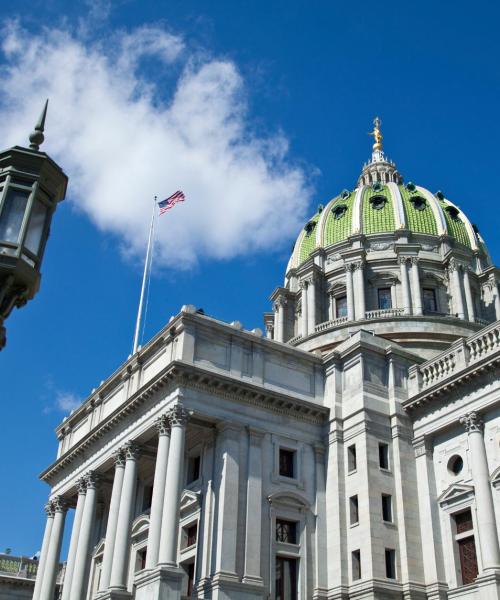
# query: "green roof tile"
337, 230
377, 220
309, 241
420, 221
456, 227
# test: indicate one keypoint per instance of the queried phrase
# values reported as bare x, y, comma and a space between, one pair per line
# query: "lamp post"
31, 186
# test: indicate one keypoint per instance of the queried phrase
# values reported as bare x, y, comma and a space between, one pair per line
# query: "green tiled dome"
381, 208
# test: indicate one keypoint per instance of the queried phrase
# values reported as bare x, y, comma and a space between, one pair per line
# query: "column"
416, 292
49, 509
311, 304
118, 579
114, 507
54, 550
486, 524
496, 298
78, 583
269, 331
254, 509
469, 300
163, 427
178, 417
75, 533
458, 301
303, 321
360, 289
405, 284
349, 291
321, 549
227, 463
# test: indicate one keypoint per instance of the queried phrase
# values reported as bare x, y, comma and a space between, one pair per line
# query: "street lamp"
31, 185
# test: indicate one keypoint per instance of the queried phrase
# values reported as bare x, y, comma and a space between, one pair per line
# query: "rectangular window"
353, 510
390, 563
383, 456
463, 521
147, 498
341, 306
287, 463
351, 458
286, 578
140, 563
188, 584
193, 470
384, 298
356, 565
429, 298
12, 215
468, 559
286, 531
387, 508
190, 535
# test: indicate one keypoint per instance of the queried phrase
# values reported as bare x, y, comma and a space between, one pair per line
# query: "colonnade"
162, 542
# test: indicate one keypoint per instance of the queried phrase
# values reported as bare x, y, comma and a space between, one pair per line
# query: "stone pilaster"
456, 286
349, 268
303, 318
416, 291
360, 308
469, 300
405, 284
311, 303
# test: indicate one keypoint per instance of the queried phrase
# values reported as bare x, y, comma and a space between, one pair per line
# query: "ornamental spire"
380, 169
377, 154
36, 136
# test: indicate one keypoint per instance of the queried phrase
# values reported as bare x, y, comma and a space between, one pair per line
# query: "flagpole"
144, 279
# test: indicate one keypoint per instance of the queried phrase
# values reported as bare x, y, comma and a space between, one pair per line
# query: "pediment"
495, 478
99, 548
290, 499
140, 524
389, 278
190, 501
456, 493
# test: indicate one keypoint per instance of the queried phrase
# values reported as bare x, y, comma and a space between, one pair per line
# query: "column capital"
162, 425
423, 446
303, 283
59, 504
280, 301
359, 264
404, 260
414, 260
178, 416
81, 485
453, 265
119, 457
349, 267
472, 422
92, 480
49, 509
131, 450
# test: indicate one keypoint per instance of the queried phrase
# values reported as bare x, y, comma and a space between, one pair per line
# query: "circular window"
339, 211
418, 202
378, 202
455, 464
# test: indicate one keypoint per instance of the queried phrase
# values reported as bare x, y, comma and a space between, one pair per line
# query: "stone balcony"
22, 567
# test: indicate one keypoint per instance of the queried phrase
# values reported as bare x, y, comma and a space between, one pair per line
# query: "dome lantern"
379, 169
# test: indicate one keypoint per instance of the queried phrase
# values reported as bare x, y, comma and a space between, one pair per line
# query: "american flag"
169, 202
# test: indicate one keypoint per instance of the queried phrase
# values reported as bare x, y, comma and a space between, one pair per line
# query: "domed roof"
381, 203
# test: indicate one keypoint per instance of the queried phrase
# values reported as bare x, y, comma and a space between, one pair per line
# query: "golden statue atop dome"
377, 134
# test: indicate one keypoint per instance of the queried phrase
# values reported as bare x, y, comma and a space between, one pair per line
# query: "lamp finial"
36, 136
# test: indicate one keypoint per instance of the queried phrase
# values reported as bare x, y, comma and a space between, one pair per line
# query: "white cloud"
66, 401
122, 140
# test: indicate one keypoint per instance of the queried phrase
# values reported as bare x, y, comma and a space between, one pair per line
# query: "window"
455, 464
287, 463
190, 535
378, 202
140, 563
387, 508
188, 585
390, 563
193, 470
383, 456
351, 458
353, 510
286, 578
147, 498
339, 211
286, 531
384, 298
466, 546
12, 215
356, 564
418, 202
429, 297
341, 307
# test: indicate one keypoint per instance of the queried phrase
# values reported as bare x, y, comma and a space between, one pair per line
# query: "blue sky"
259, 111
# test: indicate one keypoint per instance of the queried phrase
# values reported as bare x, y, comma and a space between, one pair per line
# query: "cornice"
186, 375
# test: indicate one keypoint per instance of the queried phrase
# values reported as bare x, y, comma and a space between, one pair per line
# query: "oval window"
418, 202
455, 464
339, 211
378, 202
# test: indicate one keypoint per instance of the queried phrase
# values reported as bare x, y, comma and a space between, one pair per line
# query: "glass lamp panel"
11, 217
35, 227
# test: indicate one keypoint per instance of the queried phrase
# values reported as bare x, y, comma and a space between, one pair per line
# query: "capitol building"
352, 451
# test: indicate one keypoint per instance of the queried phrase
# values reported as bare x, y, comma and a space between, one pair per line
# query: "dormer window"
453, 212
439, 195
339, 211
378, 202
309, 228
410, 186
418, 202
377, 186
344, 194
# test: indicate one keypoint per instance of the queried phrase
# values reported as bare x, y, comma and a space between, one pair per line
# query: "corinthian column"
458, 301
78, 587
311, 304
405, 284
178, 417
163, 427
54, 550
360, 289
114, 507
303, 320
471, 313
49, 509
415, 290
349, 267
118, 579
486, 523
75, 534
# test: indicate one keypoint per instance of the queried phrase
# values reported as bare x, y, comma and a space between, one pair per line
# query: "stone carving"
162, 425
119, 457
472, 422
59, 504
430, 247
49, 509
333, 258
403, 260
81, 485
349, 267
131, 451
380, 246
178, 416
92, 479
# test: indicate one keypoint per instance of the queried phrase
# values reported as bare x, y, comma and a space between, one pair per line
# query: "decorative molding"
423, 446
178, 416
92, 480
49, 509
59, 504
132, 451
81, 486
380, 246
472, 422
119, 458
495, 478
456, 493
162, 425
